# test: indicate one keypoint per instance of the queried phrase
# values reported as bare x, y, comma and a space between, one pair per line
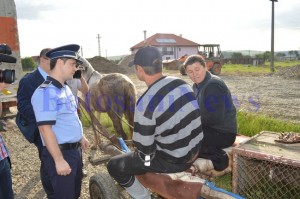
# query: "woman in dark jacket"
218, 113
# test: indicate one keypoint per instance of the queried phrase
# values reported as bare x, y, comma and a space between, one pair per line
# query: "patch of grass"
250, 124
85, 118
245, 69
104, 120
224, 182
283, 64
230, 69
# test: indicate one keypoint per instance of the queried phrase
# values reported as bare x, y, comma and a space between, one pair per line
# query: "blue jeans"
6, 191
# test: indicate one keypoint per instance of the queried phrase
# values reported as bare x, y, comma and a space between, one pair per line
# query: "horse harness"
87, 81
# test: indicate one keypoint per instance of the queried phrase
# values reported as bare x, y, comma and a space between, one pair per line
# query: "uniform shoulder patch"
45, 84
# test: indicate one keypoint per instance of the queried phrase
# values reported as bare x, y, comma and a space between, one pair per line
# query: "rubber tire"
182, 70
102, 186
216, 69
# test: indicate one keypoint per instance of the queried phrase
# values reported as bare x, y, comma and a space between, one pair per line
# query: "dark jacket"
218, 113
27, 86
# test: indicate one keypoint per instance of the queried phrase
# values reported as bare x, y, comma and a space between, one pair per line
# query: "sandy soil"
271, 95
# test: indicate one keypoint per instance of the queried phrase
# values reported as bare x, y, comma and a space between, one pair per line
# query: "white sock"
138, 191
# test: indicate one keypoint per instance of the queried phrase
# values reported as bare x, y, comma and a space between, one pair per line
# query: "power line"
272, 38
99, 47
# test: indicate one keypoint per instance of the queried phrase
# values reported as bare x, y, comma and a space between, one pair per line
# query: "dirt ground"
272, 95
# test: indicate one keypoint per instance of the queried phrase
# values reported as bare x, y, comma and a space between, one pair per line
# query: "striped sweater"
167, 121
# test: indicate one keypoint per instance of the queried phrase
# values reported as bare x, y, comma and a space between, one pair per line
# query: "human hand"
62, 167
84, 143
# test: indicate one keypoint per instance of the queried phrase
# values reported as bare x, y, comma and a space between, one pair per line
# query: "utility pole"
81, 51
272, 38
99, 48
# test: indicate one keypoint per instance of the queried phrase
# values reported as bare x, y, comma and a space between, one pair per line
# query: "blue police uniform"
54, 104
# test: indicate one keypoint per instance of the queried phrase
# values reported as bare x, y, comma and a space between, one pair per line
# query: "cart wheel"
216, 69
102, 186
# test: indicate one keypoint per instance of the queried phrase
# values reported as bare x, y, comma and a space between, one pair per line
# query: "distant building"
171, 46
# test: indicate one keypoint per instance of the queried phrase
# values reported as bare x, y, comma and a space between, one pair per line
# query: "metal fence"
259, 173
248, 61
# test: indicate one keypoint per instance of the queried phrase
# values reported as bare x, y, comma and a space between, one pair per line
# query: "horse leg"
129, 115
95, 142
117, 123
130, 101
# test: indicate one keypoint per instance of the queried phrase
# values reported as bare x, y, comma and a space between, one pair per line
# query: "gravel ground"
273, 96
269, 95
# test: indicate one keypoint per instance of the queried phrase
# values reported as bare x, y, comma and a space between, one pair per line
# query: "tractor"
212, 55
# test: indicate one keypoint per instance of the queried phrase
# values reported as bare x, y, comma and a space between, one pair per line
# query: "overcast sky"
235, 24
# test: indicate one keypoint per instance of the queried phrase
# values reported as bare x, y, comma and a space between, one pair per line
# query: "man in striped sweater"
167, 126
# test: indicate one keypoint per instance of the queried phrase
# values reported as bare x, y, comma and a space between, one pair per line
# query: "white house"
170, 45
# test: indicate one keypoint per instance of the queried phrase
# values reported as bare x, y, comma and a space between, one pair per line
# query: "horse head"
88, 72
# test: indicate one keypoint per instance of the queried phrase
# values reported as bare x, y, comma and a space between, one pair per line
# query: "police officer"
55, 109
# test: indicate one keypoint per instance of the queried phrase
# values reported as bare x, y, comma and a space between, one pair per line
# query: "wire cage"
263, 168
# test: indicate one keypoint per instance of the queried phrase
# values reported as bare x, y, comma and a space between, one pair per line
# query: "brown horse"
112, 93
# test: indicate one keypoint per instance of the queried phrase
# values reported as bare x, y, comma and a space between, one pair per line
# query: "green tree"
266, 55
28, 64
236, 55
259, 56
280, 55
